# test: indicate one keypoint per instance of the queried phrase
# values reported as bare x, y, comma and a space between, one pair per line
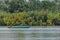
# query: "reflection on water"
34, 35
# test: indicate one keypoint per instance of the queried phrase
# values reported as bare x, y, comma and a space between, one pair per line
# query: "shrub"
31, 18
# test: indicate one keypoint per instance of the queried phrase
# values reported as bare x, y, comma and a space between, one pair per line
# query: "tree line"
32, 13
21, 5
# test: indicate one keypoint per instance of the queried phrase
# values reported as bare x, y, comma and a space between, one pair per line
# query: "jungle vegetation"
31, 13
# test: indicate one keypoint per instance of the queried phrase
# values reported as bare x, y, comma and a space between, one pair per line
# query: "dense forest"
29, 13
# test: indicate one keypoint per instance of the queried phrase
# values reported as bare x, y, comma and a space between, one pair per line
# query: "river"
30, 34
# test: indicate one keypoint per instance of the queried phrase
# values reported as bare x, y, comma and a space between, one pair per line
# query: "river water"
30, 34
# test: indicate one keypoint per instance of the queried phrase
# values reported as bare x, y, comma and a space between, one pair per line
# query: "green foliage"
31, 18
32, 13
21, 5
